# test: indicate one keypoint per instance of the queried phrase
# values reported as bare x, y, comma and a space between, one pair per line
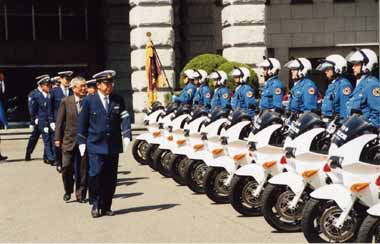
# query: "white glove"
36, 121
5, 127
126, 142
31, 127
82, 149
52, 126
173, 98
46, 130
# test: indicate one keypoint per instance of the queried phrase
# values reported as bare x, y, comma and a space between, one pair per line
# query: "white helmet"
365, 56
241, 72
272, 64
335, 61
219, 76
189, 73
303, 66
200, 75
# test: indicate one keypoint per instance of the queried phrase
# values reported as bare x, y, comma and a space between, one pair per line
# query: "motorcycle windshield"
266, 119
306, 122
217, 113
353, 127
197, 113
238, 116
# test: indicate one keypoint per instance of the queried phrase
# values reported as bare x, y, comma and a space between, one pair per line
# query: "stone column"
243, 31
155, 16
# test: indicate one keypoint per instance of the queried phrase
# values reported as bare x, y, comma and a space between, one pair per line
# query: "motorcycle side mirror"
186, 132
204, 136
224, 140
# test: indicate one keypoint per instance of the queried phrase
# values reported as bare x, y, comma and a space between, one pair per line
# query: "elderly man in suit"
73, 165
103, 127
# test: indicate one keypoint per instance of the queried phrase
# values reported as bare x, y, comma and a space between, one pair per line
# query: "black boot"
28, 157
3, 158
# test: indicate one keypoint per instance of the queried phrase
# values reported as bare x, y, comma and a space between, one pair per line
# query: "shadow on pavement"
128, 179
159, 207
128, 183
128, 195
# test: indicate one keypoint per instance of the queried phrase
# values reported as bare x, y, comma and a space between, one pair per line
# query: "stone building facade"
240, 30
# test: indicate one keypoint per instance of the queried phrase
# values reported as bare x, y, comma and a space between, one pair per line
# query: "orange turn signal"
181, 142
217, 151
198, 147
156, 133
239, 157
359, 187
170, 138
309, 173
268, 165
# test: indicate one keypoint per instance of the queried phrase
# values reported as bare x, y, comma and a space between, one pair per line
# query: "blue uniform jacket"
366, 98
272, 94
336, 97
102, 131
303, 96
244, 98
56, 95
187, 94
40, 109
203, 96
221, 97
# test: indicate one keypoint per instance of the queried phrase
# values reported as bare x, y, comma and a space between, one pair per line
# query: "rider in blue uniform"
339, 89
304, 94
365, 99
187, 94
273, 91
222, 95
203, 94
244, 96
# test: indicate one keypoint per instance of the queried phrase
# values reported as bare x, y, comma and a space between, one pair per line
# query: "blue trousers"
32, 142
102, 179
48, 144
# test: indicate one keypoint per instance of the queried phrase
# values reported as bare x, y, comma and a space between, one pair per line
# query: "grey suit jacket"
66, 127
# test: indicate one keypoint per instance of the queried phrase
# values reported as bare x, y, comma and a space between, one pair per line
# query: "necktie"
106, 103
79, 105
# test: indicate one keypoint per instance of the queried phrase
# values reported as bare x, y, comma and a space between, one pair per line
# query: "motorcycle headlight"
224, 140
252, 146
290, 152
160, 126
335, 162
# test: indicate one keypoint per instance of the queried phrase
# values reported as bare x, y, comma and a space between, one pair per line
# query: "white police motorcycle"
265, 150
369, 231
176, 123
151, 121
335, 212
193, 125
196, 149
206, 141
225, 156
286, 194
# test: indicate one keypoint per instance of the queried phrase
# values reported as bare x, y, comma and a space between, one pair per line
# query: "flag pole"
149, 35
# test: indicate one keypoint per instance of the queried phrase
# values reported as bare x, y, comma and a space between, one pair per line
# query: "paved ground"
149, 209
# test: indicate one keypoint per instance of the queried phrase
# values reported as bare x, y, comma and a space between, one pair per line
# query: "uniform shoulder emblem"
347, 91
208, 95
376, 92
311, 91
249, 94
225, 95
277, 91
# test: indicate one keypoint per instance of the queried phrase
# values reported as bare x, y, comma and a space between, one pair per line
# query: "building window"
344, 1
74, 22
43, 20
301, 1
46, 21
19, 20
